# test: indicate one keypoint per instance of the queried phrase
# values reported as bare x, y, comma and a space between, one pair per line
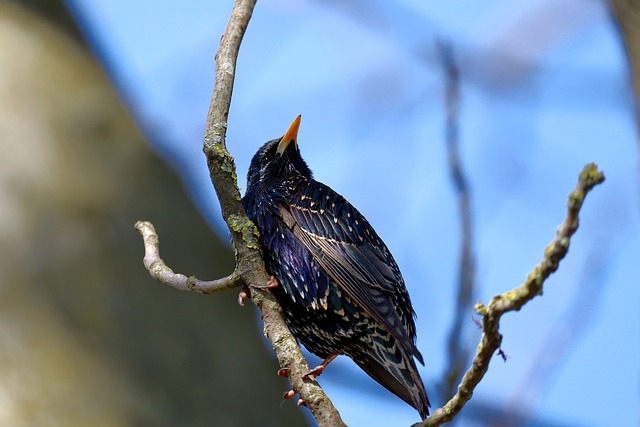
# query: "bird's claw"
284, 372
290, 394
271, 283
243, 295
315, 372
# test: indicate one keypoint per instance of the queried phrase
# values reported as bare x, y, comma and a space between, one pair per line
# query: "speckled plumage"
339, 286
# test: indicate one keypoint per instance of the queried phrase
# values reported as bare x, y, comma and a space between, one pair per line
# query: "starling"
339, 286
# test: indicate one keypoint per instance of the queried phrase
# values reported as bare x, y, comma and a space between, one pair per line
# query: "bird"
340, 288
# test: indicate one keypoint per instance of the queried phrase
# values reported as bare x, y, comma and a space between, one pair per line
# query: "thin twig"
162, 273
516, 298
250, 270
560, 339
459, 352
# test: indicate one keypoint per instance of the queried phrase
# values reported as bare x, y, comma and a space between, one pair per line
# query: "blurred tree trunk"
86, 336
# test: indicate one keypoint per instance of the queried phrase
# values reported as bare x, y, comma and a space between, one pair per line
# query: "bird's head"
277, 161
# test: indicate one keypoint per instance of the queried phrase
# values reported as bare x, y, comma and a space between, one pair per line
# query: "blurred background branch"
459, 349
627, 16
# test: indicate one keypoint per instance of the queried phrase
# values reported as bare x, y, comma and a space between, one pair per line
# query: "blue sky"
544, 91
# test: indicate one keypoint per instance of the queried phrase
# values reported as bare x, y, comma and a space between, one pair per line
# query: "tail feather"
393, 367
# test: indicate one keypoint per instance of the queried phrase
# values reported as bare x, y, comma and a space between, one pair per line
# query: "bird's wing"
349, 250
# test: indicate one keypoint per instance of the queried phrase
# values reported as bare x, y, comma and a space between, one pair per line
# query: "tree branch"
162, 273
250, 270
516, 299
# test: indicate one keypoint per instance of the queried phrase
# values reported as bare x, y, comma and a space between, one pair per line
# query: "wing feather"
344, 244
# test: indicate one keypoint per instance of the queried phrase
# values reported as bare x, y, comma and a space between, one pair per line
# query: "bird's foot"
315, 372
243, 295
301, 402
284, 372
272, 283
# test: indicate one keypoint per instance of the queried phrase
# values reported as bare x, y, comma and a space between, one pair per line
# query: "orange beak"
291, 135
